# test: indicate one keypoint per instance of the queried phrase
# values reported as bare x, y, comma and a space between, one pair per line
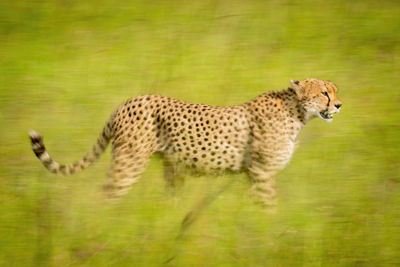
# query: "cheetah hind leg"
126, 169
173, 177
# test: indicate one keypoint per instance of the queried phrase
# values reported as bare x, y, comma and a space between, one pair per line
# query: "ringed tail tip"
37, 143
34, 136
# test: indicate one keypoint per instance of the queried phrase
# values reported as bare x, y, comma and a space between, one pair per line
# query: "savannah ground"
66, 65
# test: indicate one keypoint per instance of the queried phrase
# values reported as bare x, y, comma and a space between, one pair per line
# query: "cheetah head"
318, 98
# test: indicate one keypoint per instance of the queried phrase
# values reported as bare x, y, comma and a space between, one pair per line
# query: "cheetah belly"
215, 155
208, 149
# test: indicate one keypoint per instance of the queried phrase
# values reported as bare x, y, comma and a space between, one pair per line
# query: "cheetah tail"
67, 169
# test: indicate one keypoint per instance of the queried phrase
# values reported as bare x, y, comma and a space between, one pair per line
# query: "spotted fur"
257, 137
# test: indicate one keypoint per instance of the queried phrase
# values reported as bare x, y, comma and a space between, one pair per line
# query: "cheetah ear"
295, 85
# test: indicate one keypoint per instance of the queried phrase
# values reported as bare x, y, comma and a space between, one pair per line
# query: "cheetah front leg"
266, 159
263, 185
265, 163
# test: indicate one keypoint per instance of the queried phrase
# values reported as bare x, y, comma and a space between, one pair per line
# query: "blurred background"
66, 65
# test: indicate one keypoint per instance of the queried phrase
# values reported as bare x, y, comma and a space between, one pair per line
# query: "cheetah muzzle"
325, 115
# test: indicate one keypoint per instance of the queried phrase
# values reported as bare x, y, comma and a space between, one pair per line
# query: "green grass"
66, 65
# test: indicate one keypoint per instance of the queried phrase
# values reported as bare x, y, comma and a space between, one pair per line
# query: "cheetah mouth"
325, 115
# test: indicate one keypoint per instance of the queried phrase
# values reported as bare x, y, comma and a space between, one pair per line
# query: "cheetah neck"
293, 106
284, 102
294, 115
279, 112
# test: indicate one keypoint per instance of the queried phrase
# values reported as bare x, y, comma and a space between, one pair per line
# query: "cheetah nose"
338, 106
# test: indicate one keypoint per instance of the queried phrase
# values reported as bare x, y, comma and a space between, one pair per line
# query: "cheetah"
257, 137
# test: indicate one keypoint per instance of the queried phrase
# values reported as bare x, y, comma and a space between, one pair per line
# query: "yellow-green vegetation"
66, 65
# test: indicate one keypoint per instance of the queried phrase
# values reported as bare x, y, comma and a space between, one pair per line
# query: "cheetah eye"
325, 94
